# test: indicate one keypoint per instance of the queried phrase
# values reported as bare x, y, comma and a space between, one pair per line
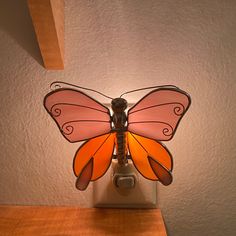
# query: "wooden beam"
48, 21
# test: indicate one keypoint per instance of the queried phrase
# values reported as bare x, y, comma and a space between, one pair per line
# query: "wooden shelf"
30, 220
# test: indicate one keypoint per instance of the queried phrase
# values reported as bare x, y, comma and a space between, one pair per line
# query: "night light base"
142, 195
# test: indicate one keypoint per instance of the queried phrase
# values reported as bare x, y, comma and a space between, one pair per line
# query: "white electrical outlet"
142, 195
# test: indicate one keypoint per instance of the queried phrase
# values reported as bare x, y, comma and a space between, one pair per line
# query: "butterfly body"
137, 132
119, 119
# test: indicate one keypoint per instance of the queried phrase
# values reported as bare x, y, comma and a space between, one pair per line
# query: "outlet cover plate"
143, 195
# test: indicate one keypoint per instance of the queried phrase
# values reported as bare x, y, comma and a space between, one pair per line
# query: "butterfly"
135, 134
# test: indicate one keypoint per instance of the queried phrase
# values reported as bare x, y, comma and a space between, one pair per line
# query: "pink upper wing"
157, 115
78, 116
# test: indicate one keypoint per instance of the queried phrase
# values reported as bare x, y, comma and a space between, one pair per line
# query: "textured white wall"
115, 46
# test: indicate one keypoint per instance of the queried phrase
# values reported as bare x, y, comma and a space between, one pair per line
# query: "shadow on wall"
16, 21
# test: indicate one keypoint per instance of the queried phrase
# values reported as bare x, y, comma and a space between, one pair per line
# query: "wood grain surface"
37, 221
48, 21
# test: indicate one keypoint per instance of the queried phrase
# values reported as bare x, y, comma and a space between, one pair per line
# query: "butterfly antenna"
58, 84
152, 87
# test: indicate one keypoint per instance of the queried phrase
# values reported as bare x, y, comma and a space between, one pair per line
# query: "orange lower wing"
92, 159
150, 158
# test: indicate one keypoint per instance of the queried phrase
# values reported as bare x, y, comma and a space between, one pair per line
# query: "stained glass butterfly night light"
135, 134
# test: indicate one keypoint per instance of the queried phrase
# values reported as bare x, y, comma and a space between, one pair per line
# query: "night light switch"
125, 182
